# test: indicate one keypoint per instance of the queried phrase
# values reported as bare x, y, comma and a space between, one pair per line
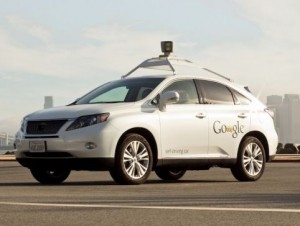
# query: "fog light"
90, 145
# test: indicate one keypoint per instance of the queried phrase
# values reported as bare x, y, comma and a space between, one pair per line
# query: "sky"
66, 48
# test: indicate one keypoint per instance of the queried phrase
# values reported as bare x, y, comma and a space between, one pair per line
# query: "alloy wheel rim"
253, 159
136, 159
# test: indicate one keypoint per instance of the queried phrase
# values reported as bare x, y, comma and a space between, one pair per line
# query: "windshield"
125, 90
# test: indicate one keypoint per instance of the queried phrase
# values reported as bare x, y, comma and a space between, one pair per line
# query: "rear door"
228, 119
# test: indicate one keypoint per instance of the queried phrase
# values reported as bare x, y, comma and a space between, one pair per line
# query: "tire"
251, 160
50, 176
133, 160
168, 174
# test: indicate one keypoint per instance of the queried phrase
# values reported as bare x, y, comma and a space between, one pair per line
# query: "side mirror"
169, 97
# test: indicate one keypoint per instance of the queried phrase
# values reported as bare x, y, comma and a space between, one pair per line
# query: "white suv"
187, 118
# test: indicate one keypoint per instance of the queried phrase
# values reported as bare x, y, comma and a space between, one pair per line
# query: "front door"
184, 125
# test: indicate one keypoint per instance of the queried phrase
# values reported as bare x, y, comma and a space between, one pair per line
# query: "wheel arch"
147, 135
262, 138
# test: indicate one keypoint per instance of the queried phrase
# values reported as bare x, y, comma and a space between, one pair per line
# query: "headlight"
88, 120
23, 125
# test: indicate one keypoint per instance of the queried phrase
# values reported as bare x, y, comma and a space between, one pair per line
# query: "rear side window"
215, 93
240, 99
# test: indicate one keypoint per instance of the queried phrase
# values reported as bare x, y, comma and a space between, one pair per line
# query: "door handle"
242, 115
201, 115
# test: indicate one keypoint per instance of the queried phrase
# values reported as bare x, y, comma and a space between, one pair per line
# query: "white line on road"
153, 207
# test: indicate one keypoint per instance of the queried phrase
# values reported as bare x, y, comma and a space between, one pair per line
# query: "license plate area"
37, 146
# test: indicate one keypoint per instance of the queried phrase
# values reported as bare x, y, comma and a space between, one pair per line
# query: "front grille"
44, 127
41, 137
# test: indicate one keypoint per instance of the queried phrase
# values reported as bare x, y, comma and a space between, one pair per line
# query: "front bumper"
103, 136
68, 149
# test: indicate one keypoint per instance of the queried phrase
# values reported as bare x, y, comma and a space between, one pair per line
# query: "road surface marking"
280, 210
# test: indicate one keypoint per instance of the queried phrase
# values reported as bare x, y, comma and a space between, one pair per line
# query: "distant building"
6, 140
287, 117
48, 102
274, 100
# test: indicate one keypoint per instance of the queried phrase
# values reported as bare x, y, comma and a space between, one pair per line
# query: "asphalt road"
211, 197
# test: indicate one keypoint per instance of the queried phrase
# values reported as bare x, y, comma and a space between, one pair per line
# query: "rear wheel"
133, 160
170, 174
50, 176
251, 160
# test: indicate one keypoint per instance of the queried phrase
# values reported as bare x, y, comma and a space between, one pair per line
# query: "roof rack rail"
222, 76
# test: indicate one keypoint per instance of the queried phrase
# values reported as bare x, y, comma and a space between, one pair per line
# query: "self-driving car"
182, 117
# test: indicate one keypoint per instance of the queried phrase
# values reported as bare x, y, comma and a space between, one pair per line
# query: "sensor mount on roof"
166, 48
169, 62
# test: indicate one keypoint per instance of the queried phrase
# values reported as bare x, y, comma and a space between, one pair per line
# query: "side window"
240, 99
143, 92
215, 93
186, 90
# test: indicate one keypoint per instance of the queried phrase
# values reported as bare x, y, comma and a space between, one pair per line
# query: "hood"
75, 111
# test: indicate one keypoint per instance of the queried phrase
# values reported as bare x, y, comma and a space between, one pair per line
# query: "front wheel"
251, 160
133, 160
50, 176
169, 174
